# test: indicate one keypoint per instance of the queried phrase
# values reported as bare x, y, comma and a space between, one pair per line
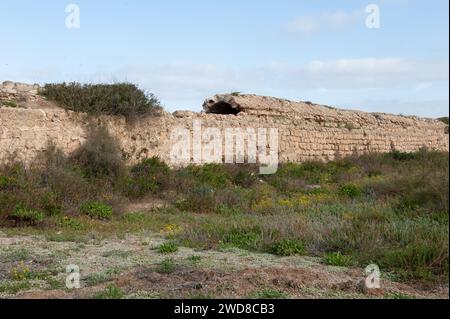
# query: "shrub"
243, 175
443, 119
337, 259
402, 156
231, 200
100, 156
168, 248
349, 190
13, 177
249, 240
213, 175
62, 184
97, 210
27, 216
111, 99
50, 204
9, 103
149, 176
423, 251
311, 172
199, 200
288, 247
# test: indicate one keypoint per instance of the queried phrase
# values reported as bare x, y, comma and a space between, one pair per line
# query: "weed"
149, 176
97, 210
242, 239
349, 190
71, 223
337, 259
27, 216
288, 247
110, 292
167, 248
167, 266
20, 272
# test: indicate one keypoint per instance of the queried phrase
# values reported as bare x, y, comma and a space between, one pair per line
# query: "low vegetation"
96, 210
9, 103
337, 259
168, 248
167, 266
110, 292
389, 209
111, 99
443, 119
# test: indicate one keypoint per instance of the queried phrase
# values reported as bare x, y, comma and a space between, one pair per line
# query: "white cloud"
373, 72
423, 86
427, 108
342, 19
185, 85
305, 25
310, 24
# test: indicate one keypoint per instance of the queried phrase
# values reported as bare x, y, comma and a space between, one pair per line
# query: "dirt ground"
35, 267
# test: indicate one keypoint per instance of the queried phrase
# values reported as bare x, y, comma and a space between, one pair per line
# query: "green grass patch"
167, 266
110, 292
167, 248
288, 247
268, 294
97, 210
337, 259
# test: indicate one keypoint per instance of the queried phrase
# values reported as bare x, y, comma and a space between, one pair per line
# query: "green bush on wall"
111, 99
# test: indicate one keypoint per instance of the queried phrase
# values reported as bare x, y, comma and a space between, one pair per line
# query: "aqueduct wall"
306, 131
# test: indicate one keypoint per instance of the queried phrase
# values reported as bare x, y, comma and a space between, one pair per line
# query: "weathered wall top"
17, 88
242, 105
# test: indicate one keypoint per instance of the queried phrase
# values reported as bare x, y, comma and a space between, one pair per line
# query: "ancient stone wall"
306, 131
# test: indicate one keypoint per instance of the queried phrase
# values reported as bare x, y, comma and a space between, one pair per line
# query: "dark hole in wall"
223, 108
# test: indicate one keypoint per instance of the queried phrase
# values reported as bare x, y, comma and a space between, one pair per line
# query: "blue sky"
184, 51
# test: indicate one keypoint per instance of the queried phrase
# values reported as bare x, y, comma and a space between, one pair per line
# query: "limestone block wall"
306, 131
